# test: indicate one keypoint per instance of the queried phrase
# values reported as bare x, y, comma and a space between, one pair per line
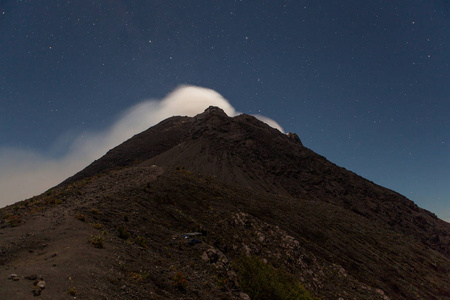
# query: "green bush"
263, 281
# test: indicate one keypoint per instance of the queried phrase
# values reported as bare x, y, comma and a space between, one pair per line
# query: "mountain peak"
210, 114
214, 110
294, 137
210, 190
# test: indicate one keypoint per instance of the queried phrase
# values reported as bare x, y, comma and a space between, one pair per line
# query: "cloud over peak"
26, 173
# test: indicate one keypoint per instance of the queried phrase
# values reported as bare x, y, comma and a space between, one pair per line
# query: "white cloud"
27, 173
269, 122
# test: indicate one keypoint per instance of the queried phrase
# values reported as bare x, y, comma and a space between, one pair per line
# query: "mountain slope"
248, 152
249, 190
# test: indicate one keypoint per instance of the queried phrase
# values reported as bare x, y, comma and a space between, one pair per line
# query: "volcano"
219, 207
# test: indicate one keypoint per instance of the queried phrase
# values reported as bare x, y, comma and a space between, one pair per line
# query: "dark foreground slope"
250, 191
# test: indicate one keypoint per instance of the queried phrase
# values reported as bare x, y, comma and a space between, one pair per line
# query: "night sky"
364, 83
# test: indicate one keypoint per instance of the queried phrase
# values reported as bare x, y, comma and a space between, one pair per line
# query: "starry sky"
364, 83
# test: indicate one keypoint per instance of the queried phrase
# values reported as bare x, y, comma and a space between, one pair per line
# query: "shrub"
139, 276
222, 281
95, 211
179, 281
54, 201
13, 220
72, 291
123, 232
97, 225
97, 241
141, 241
263, 281
80, 217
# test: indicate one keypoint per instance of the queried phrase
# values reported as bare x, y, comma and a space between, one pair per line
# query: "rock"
31, 277
214, 256
37, 291
41, 284
244, 296
294, 137
13, 277
211, 255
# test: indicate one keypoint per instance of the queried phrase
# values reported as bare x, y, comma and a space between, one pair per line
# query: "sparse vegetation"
179, 281
97, 241
12, 220
263, 281
80, 217
139, 276
141, 241
222, 281
97, 225
55, 201
123, 232
72, 291
95, 211
122, 266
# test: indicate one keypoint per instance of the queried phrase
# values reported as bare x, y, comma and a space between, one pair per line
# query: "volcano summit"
218, 207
